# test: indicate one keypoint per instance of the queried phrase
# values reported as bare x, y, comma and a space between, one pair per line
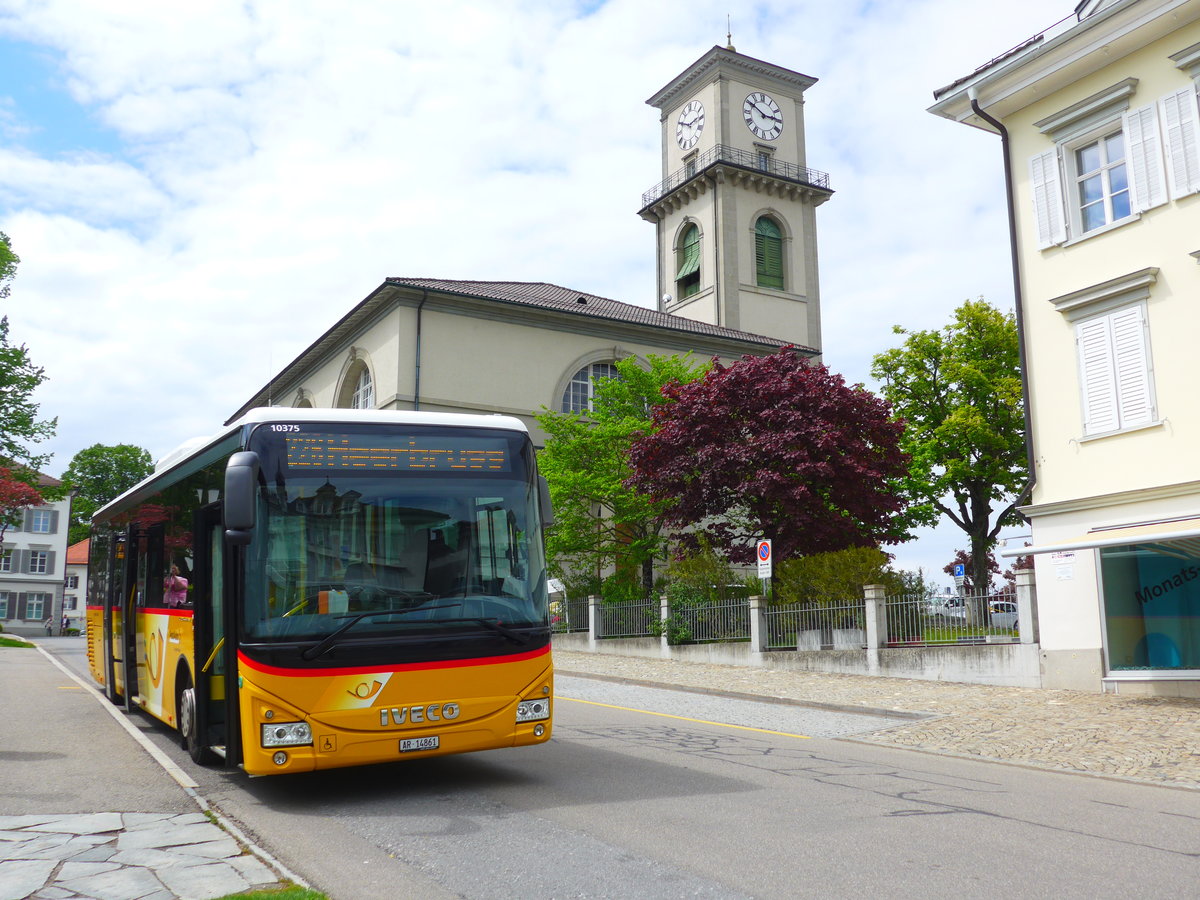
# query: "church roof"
551, 299
552, 296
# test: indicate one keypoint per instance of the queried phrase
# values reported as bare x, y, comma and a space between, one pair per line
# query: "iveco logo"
434, 712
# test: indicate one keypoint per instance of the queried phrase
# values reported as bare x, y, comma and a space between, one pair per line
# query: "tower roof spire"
729, 35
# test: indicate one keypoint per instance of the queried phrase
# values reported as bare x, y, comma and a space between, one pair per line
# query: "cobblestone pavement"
1149, 739
123, 856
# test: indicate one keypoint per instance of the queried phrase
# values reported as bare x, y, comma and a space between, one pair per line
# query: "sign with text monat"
763, 552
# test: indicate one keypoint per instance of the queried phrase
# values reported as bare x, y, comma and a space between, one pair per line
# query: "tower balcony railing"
744, 159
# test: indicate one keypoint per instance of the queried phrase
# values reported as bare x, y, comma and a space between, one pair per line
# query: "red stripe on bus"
402, 667
156, 610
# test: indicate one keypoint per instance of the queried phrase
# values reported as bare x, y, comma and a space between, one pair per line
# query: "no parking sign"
763, 553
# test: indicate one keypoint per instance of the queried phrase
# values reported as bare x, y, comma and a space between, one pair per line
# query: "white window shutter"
1182, 141
1143, 153
1135, 399
1047, 199
1098, 385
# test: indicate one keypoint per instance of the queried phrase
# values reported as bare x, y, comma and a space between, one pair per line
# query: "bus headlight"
533, 710
286, 734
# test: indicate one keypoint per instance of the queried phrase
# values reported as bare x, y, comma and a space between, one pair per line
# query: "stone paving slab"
123, 856
1148, 739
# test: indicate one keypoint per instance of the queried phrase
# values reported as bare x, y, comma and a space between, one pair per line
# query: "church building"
735, 224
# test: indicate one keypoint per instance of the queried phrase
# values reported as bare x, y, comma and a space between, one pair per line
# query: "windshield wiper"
330, 639
515, 636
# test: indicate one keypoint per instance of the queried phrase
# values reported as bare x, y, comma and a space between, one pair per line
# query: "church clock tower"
735, 213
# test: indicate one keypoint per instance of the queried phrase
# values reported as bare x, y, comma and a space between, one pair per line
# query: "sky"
198, 191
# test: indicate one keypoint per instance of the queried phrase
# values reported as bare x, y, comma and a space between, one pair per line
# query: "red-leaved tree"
773, 447
15, 496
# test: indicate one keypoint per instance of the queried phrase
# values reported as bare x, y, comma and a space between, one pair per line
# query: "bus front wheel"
189, 730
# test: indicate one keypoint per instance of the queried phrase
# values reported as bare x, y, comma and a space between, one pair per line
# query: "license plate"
408, 745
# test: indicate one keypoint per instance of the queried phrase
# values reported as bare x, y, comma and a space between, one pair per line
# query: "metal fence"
619, 620
981, 618
698, 623
569, 614
817, 626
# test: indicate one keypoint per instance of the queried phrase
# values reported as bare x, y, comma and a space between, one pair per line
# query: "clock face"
690, 124
762, 116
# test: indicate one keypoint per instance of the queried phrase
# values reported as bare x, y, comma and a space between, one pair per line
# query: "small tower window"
687, 279
768, 253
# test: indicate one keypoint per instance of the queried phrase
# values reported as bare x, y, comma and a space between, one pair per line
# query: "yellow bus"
315, 588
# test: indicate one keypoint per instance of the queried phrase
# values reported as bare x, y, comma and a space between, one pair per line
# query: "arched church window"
364, 391
579, 391
687, 279
768, 253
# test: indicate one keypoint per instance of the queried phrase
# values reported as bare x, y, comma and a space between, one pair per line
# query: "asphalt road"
663, 794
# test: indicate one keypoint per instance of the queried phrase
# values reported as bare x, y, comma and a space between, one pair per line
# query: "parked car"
1003, 614
950, 609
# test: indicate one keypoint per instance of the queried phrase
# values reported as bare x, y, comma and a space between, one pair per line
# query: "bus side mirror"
544, 502
241, 489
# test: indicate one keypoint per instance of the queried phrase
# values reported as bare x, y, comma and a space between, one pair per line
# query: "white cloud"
278, 159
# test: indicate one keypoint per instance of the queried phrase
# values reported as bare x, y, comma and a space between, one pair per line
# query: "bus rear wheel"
189, 730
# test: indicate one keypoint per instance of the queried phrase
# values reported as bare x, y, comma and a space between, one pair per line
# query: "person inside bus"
175, 588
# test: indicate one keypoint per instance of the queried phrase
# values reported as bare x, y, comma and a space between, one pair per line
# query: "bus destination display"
381, 452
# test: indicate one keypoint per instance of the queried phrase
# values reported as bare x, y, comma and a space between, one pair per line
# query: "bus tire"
189, 734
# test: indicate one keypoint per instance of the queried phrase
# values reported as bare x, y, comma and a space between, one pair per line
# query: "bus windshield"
377, 535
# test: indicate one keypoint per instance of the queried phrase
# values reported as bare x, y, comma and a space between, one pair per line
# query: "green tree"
601, 524
8, 264
99, 474
832, 578
958, 391
19, 378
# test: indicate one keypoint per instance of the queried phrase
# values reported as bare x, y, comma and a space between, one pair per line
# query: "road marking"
648, 712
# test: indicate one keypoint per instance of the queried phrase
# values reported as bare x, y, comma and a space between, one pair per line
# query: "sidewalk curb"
184, 780
759, 698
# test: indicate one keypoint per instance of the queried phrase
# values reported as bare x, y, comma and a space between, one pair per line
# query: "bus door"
111, 641
120, 622
214, 664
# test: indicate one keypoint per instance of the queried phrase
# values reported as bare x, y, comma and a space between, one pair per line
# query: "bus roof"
287, 414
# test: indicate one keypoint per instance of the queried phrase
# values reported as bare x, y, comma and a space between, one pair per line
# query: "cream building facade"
1100, 129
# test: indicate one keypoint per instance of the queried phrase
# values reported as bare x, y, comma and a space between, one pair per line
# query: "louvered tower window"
687, 279
768, 253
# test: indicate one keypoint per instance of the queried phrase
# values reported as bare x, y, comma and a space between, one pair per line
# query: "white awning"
1176, 530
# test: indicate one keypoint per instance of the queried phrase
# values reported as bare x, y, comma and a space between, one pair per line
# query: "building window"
581, 389
1101, 182
41, 521
764, 160
1110, 163
687, 278
689, 165
5, 604
6, 561
70, 602
72, 582
39, 562
364, 391
1115, 374
768, 253
36, 605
